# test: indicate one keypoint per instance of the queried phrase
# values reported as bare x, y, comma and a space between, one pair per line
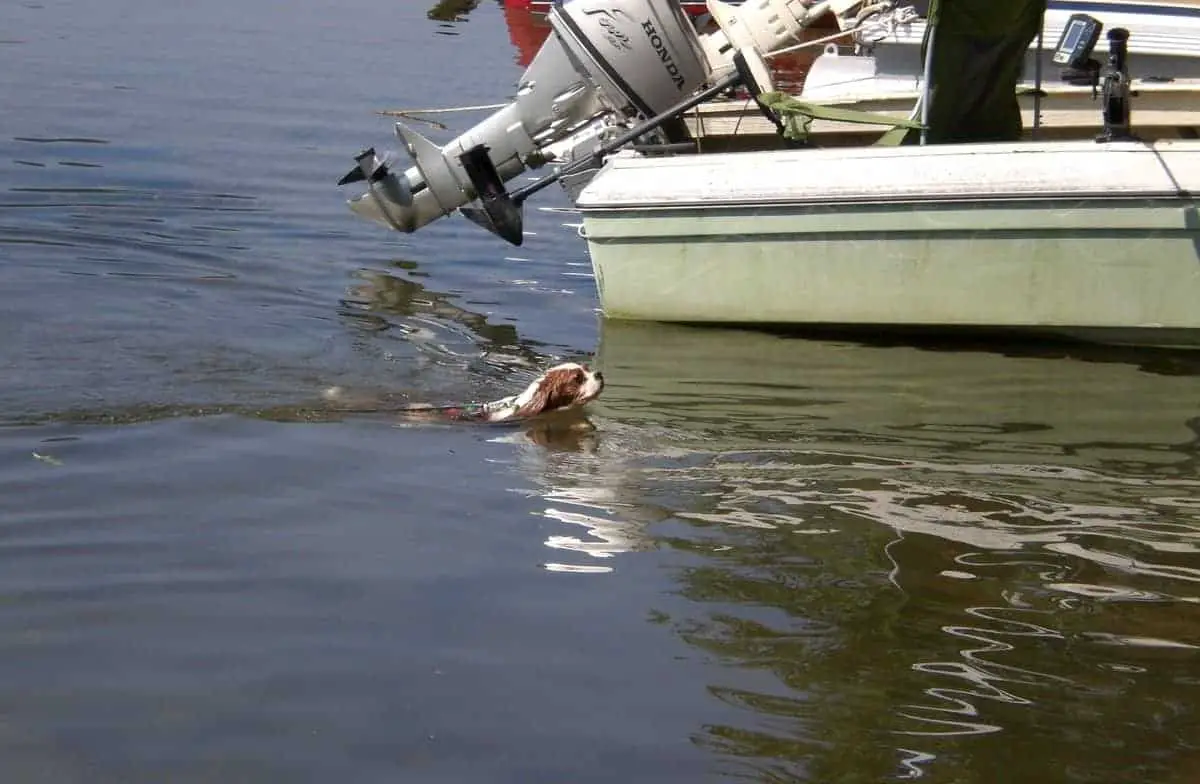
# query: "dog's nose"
599, 376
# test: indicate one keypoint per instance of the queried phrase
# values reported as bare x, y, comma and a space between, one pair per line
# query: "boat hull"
1111, 254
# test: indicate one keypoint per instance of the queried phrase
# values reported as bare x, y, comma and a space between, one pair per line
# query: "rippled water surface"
773, 559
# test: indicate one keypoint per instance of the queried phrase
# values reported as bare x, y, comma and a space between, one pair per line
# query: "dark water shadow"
1027, 344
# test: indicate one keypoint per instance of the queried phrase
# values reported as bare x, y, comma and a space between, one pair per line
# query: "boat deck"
1160, 111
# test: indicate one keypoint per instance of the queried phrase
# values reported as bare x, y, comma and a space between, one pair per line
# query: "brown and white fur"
562, 388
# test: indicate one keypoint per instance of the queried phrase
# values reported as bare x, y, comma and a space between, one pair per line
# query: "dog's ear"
558, 388
538, 401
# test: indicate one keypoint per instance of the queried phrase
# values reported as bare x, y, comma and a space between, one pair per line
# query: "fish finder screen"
1074, 32
1078, 39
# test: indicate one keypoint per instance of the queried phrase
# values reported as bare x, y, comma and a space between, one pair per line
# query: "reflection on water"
936, 556
579, 485
430, 319
451, 10
433, 351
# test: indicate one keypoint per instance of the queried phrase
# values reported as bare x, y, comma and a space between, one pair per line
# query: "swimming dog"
562, 388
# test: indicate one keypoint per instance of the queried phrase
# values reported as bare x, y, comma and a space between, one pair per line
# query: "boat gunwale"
1180, 197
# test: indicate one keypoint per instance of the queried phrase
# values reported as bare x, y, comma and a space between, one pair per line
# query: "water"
774, 559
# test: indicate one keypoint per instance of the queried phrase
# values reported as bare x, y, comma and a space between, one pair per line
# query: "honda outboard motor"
608, 64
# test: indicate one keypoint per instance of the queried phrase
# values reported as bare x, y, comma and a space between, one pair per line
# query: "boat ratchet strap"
797, 115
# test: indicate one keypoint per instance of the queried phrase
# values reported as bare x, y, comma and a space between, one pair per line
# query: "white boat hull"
1075, 236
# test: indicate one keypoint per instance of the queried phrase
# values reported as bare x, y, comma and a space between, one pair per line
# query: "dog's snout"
598, 376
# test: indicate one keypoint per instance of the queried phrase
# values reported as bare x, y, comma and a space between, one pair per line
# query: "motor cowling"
623, 58
642, 55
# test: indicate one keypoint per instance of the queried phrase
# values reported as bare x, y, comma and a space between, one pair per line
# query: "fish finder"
1078, 40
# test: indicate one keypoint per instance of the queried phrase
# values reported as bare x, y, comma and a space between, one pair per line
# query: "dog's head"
569, 385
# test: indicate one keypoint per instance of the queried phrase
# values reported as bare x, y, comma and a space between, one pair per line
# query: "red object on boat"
526, 29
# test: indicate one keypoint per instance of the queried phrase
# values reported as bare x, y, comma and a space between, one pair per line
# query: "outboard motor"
608, 65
